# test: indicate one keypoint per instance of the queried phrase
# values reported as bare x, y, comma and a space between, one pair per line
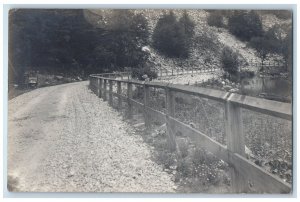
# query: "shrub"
215, 19
245, 25
230, 61
188, 25
281, 14
138, 73
173, 38
247, 74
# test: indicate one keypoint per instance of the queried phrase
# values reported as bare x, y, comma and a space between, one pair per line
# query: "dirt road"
65, 139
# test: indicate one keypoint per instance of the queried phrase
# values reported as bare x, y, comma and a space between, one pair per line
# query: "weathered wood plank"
146, 103
104, 89
269, 107
156, 115
235, 143
110, 92
200, 139
137, 104
119, 91
264, 182
169, 125
129, 97
202, 92
156, 84
101, 88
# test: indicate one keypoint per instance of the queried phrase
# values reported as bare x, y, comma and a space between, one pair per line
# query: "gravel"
65, 139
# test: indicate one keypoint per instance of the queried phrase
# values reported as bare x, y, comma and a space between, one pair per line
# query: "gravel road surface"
65, 139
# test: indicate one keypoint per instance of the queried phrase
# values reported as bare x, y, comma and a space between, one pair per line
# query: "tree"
188, 25
262, 47
215, 18
287, 50
230, 62
245, 25
124, 37
272, 42
173, 38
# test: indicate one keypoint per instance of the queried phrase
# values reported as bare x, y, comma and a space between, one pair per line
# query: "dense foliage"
63, 42
230, 62
245, 25
273, 41
172, 37
215, 19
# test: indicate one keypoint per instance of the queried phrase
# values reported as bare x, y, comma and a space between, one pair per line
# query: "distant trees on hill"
215, 19
128, 34
62, 41
245, 25
274, 41
174, 37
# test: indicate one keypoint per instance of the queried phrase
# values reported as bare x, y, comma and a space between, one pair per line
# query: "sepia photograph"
150, 101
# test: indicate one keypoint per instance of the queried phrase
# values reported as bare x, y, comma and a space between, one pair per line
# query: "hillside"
208, 42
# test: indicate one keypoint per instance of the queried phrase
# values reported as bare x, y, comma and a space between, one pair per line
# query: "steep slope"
208, 42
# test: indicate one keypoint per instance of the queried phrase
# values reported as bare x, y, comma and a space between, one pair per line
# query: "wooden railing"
161, 72
242, 170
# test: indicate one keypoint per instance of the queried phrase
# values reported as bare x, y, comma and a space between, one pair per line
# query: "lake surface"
275, 88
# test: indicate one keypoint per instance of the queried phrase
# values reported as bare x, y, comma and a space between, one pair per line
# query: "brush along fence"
245, 175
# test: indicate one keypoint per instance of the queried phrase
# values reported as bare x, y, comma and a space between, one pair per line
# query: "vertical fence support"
170, 112
98, 87
146, 103
110, 101
101, 88
104, 89
235, 144
119, 91
90, 82
129, 96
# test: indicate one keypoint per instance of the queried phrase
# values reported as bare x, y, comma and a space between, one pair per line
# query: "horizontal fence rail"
242, 169
162, 72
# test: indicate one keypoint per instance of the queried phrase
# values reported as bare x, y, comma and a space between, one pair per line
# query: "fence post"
119, 91
101, 88
104, 89
110, 101
98, 87
90, 82
129, 96
235, 143
146, 103
170, 112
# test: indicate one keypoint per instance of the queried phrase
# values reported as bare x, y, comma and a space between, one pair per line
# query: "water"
272, 88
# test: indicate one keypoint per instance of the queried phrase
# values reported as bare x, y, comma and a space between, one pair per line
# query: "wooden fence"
268, 65
242, 170
179, 71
